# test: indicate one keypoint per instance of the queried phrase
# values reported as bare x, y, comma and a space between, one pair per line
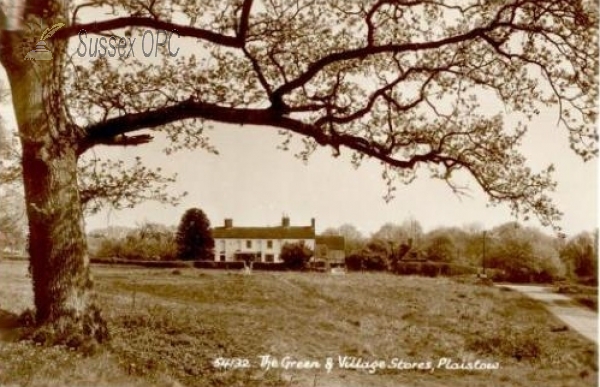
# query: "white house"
260, 244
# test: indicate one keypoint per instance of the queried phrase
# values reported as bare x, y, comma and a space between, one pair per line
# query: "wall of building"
227, 247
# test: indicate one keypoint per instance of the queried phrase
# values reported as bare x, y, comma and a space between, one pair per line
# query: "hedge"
269, 266
227, 265
367, 262
135, 262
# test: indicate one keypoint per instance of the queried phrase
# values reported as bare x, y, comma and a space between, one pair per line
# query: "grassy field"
169, 327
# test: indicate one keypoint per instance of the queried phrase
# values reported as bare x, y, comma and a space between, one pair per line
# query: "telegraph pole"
483, 253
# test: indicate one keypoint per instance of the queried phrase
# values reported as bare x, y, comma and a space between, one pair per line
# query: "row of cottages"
264, 244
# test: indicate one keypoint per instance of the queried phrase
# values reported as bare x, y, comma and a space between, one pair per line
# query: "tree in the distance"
353, 239
13, 220
371, 79
149, 241
523, 253
194, 238
440, 248
580, 255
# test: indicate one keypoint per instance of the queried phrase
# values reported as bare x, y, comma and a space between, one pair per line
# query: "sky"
255, 184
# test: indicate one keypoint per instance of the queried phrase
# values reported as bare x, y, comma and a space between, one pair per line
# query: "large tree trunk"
57, 248
57, 245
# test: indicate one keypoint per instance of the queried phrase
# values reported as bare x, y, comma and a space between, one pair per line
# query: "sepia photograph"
299, 193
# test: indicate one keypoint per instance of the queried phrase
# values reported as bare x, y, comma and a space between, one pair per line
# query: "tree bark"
59, 261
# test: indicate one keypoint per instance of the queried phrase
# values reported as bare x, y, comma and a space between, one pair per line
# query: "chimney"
285, 221
312, 223
228, 222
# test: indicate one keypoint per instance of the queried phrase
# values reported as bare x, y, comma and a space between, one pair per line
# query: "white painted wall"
229, 246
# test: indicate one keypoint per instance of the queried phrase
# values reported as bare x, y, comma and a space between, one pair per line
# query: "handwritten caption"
343, 362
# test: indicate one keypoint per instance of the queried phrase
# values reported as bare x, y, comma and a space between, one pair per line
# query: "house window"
248, 244
269, 258
269, 244
222, 256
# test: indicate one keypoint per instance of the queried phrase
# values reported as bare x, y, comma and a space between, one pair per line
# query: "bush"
589, 281
137, 262
522, 275
227, 265
319, 266
590, 302
269, 266
368, 261
353, 262
509, 341
295, 255
456, 269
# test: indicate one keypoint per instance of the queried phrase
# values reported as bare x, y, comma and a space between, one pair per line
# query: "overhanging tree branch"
156, 24
190, 109
403, 98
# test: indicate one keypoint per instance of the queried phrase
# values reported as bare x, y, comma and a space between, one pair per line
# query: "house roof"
332, 242
278, 232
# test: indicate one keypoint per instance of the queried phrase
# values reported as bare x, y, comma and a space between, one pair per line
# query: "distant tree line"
191, 240
509, 252
149, 241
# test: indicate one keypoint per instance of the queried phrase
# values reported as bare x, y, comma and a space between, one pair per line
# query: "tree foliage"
524, 253
104, 183
115, 184
150, 241
381, 84
295, 255
440, 248
194, 238
580, 255
395, 81
409, 232
354, 240
13, 221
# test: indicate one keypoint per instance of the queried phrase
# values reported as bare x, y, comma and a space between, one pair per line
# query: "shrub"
366, 260
353, 262
142, 263
590, 302
375, 262
269, 266
227, 265
408, 268
509, 341
456, 269
295, 255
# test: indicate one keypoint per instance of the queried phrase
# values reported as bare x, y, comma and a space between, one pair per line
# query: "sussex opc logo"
41, 52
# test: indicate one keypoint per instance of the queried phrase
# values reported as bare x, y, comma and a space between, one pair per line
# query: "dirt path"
578, 318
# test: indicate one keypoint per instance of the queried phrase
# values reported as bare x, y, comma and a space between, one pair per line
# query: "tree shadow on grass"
9, 326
